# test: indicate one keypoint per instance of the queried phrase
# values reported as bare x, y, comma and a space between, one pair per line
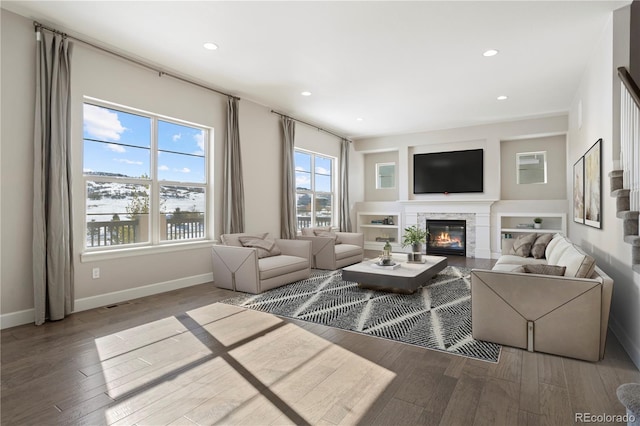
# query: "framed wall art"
578, 191
593, 185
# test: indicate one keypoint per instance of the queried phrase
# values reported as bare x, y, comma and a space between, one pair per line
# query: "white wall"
18, 92
597, 93
103, 76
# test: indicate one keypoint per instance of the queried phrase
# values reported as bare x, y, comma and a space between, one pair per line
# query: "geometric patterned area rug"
437, 316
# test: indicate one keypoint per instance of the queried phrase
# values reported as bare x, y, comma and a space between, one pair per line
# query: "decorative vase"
537, 225
385, 258
416, 248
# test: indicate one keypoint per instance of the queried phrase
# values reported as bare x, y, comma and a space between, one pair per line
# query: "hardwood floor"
180, 358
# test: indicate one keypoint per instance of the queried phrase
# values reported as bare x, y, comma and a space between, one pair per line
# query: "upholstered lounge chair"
334, 250
239, 267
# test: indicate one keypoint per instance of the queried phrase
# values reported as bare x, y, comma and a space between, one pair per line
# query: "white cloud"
199, 138
163, 168
303, 181
116, 148
124, 160
177, 137
100, 123
322, 170
300, 169
87, 170
183, 170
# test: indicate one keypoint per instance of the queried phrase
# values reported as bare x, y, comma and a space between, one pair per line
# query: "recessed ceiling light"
210, 46
490, 52
305, 93
359, 119
502, 98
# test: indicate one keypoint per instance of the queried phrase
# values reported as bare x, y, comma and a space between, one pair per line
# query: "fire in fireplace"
447, 237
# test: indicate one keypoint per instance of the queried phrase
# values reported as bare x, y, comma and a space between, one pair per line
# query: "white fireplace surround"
477, 214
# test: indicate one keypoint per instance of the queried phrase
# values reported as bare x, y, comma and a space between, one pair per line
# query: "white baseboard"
14, 319
87, 303
629, 345
27, 316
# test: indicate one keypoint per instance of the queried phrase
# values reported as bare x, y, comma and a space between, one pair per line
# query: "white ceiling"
400, 66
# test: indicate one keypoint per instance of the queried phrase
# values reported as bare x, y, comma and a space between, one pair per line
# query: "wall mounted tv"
448, 172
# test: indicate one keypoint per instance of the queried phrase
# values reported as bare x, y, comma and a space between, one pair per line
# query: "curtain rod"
161, 73
311, 125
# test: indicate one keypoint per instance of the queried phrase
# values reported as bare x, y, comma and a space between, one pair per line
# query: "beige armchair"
333, 250
239, 267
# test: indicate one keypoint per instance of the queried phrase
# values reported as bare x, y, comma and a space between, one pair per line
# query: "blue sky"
119, 142
303, 172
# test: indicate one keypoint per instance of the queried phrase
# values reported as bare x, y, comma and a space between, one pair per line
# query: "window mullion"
154, 193
208, 196
312, 172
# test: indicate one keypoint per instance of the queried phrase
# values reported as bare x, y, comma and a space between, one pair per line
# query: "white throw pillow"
558, 250
554, 241
579, 264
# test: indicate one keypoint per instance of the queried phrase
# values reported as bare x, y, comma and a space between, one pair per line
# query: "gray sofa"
565, 315
240, 266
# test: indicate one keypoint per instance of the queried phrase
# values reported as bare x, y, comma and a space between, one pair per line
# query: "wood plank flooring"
180, 358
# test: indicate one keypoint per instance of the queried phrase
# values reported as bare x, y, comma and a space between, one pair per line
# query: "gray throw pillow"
545, 269
325, 233
234, 239
522, 245
540, 245
266, 247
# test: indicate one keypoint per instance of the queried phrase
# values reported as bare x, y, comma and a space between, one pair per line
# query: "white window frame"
155, 244
379, 176
313, 193
523, 163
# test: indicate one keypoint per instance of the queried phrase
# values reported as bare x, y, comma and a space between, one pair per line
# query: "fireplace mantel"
448, 206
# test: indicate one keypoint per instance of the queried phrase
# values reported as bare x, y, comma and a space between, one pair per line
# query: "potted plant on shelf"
537, 223
415, 237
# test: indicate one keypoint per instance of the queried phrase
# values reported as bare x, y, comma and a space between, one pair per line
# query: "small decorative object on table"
537, 223
385, 258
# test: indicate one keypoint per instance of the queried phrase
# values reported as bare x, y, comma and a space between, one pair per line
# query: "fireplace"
447, 237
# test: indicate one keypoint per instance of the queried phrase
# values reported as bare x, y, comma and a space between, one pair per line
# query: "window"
531, 167
314, 189
145, 178
385, 175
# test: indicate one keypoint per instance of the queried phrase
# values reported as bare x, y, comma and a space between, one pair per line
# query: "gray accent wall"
556, 186
370, 161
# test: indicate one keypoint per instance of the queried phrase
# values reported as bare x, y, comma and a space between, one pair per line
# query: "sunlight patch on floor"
225, 364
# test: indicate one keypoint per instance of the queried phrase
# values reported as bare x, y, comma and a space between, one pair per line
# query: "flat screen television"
448, 172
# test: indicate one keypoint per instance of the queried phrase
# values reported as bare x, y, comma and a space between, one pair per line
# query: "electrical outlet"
96, 273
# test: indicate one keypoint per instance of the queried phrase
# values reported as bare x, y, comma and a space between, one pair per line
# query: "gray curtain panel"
233, 193
52, 216
345, 214
288, 225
